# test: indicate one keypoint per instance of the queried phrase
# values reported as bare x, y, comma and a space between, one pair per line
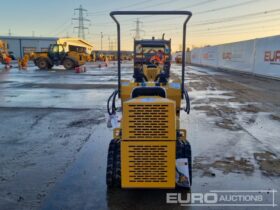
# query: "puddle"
55, 98
269, 163
275, 117
86, 122
226, 165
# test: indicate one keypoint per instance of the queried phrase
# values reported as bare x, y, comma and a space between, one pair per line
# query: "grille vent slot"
148, 163
148, 121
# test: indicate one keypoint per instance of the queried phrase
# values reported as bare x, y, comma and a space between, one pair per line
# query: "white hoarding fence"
267, 59
195, 56
259, 56
209, 56
237, 56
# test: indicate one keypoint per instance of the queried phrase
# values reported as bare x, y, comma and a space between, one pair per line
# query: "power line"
180, 8
199, 4
227, 7
166, 2
236, 25
170, 1
133, 5
53, 31
102, 24
192, 6
225, 20
247, 29
232, 31
199, 25
161, 3
211, 10
128, 6
230, 19
81, 22
63, 29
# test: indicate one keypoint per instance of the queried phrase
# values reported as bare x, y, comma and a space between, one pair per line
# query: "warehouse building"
19, 45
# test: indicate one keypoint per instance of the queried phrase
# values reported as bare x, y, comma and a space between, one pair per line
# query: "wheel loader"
56, 55
149, 149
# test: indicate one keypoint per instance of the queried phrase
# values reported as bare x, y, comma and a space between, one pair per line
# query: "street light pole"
101, 39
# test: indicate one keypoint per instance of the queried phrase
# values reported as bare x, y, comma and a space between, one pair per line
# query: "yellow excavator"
56, 55
149, 148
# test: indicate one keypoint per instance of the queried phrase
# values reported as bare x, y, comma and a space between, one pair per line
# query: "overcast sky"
213, 22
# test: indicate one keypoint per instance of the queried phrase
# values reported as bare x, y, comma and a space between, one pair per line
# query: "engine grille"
149, 122
149, 163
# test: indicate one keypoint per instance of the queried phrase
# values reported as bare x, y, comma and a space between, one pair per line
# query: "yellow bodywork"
172, 89
79, 58
150, 128
149, 118
72, 41
148, 143
148, 164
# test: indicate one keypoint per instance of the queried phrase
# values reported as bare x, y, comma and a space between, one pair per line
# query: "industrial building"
19, 45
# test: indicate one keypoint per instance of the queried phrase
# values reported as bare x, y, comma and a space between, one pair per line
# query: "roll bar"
115, 13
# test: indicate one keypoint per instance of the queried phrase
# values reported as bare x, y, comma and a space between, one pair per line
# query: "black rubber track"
113, 174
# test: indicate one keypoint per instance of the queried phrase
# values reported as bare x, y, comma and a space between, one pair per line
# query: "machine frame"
149, 141
185, 13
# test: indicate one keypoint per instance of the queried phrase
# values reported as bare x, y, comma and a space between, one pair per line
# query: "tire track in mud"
228, 118
38, 119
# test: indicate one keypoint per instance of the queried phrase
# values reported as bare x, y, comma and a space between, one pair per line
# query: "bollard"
77, 69
80, 69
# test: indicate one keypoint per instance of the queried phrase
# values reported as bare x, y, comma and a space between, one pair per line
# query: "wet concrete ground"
54, 138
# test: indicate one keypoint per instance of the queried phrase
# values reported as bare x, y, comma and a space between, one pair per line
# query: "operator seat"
148, 91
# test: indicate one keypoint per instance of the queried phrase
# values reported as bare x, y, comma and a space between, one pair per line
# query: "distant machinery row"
110, 55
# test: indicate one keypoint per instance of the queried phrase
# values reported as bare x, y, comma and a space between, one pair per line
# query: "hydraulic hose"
108, 104
112, 97
188, 106
114, 102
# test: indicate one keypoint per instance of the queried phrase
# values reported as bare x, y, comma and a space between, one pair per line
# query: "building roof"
74, 40
29, 38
